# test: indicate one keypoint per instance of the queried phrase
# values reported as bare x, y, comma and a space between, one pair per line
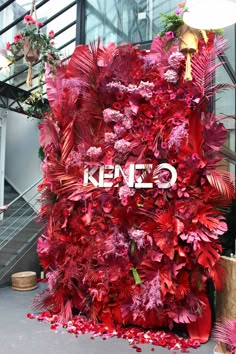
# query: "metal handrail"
19, 219
24, 223
6, 207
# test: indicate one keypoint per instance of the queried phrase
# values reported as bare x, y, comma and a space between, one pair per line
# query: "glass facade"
121, 21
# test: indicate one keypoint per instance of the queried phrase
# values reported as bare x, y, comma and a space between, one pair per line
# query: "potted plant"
34, 45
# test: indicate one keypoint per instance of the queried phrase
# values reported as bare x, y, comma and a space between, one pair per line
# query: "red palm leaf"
203, 67
222, 181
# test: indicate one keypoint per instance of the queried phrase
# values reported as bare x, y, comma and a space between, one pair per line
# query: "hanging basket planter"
33, 43
31, 54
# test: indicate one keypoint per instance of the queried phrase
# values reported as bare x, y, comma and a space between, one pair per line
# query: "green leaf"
136, 276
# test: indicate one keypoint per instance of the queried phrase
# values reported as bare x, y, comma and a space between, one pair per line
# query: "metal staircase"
19, 231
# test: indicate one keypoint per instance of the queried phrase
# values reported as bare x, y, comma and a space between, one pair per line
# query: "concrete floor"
20, 335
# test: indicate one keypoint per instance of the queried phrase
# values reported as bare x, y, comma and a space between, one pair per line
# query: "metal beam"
80, 22
7, 3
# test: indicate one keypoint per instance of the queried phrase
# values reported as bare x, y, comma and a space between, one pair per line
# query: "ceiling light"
210, 14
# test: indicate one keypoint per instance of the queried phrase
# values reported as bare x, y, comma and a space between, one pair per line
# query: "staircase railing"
6, 207
18, 231
11, 225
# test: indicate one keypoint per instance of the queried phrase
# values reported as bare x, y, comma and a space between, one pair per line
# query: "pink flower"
122, 145
8, 46
127, 123
110, 138
39, 24
178, 12
94, 152
175, 59
51, 34
17, 37
119, 130
169, 35
171, 76
28, 19
126, 191
110, 115
52, 42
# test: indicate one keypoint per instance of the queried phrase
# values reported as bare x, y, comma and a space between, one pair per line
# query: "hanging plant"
34, 45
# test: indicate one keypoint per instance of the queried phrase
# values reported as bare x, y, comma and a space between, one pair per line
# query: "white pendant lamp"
210, 14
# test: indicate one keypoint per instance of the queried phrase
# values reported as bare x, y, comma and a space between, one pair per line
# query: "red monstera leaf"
208, 254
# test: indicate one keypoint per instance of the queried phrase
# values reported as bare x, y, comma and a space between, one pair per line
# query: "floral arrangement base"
135, 336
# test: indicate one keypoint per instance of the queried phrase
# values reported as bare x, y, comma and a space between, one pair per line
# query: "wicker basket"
24, 281
220, 348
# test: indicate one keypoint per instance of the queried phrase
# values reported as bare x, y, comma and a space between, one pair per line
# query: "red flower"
164, 145
29, 19
51, 34
117, 105
17, 37
39, 24
8, 46
119, 96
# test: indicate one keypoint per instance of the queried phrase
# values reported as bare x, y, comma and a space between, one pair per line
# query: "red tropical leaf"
48, 134
208, 254
222, 181
183, 315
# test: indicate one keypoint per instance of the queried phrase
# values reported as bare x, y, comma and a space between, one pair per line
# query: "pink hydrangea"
110, 138
175, 59
122, 146
126, 191
94, 152
171, 76
140, 237
112, 115
119, 130
127, 123
73, 159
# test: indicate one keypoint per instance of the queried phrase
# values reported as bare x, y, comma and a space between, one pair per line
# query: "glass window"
225, 100
229, 33
125, 20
